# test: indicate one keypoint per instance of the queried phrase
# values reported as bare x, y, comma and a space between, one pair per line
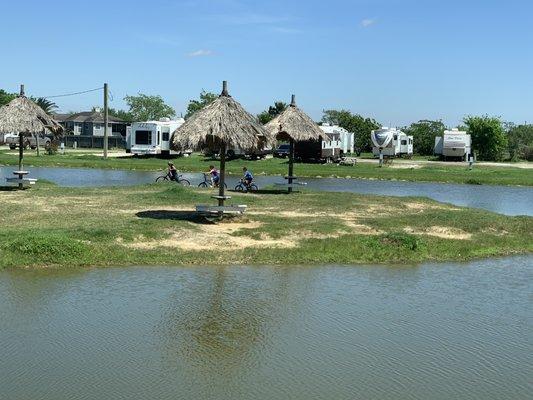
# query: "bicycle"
169, 177
243, 187
208, 183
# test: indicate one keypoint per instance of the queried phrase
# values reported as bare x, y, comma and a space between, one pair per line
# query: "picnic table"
21, 180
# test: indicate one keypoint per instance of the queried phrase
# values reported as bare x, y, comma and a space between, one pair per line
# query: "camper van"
391, 142
153, 137
454, 144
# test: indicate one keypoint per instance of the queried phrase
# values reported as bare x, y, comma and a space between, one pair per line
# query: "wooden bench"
348, 161
210, 210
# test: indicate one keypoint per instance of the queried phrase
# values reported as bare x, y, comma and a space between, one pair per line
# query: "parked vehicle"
282, 151
454, 144
13, 141
153, 137
345, 138
391, 142
327, 150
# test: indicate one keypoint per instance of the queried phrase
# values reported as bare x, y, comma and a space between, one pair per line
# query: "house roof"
60, 117
91, 116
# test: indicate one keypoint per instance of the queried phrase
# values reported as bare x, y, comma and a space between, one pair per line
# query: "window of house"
404, 142
165, 136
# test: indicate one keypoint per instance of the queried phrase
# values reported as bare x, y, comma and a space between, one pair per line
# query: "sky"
397, 61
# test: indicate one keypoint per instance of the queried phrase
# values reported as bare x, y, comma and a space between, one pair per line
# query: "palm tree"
48, 106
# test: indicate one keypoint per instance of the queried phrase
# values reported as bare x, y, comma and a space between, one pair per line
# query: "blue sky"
395, 60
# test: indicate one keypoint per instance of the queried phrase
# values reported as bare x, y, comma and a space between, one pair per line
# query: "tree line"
492, 138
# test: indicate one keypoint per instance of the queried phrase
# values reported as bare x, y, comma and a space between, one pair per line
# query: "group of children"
247, 178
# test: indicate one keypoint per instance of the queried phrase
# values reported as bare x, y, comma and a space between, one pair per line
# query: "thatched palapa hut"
220, 125
26, 118
293, 125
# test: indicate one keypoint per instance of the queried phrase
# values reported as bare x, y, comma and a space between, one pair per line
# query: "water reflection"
225, 320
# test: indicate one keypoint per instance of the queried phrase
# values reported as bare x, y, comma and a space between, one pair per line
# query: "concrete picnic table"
20, 179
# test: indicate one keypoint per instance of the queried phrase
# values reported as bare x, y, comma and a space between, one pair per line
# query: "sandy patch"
361, 229
442, 232
211, 236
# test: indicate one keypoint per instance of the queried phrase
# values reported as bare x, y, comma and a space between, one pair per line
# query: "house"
91, 123
338, 134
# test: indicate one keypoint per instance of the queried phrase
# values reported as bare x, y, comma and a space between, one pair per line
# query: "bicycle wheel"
184, 182
239, 188
161, 178
202, 185
253, 188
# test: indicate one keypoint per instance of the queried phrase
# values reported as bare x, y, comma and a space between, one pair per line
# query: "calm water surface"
437, 331
501, 199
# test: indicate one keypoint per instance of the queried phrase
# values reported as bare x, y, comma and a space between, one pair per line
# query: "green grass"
197, 163
154, 225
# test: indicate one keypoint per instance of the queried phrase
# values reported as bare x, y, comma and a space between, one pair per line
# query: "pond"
501, 199
435, 331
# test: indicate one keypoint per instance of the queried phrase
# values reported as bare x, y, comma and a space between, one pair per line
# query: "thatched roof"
294, 124
22, 115
222, 121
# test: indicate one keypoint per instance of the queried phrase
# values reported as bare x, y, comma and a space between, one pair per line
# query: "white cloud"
200, 53
368, 22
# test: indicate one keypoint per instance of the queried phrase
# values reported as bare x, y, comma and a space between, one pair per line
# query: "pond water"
436, 331
502, 199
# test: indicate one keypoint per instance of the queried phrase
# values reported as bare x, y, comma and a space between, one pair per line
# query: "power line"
72, 94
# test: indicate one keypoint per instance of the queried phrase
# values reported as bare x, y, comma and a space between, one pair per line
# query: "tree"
520, 141
124, 115
273, 111
488, 137
48, 106
145, 108
6, 97
195, 105
424, 133
355, 123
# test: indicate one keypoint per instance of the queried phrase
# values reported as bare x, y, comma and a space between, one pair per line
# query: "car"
282, 151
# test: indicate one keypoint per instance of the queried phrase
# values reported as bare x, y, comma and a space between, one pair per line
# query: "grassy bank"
424, 173
153, 224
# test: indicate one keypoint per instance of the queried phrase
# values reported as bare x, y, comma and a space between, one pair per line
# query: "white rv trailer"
454, 144
341, 135
153, 137
391, 142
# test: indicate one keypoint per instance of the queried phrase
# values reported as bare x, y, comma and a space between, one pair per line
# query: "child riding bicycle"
215, 177
172, 171
248, 178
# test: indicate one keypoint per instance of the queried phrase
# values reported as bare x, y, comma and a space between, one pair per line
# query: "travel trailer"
327, 150
391, 142
341, 135
454, 144
153, 137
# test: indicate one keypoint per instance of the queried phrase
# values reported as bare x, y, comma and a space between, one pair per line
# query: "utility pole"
106, 121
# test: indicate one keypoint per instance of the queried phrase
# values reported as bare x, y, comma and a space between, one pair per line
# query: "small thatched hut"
26, 118
293, 125
220, 125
